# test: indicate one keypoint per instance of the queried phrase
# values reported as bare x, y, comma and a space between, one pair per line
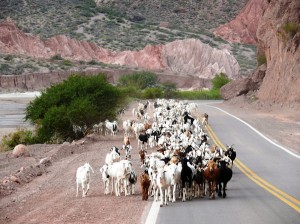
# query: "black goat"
224, 178
143, 138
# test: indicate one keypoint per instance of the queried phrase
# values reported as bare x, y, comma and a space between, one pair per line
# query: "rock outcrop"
182, 57
278, 37
243, 28
20, 150
243, 86
278, 40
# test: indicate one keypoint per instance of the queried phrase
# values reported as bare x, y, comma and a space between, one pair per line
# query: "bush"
139, 80
5, 69
79, 101
169, 89
152, 93
220, 80
8, 57
21, 136
56, 57
212, 94
291, 28
67, 63
261, 59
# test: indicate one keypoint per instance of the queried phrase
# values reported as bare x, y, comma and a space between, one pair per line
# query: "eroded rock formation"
278, 37
243, 28
183, 57
243, 86
278, 40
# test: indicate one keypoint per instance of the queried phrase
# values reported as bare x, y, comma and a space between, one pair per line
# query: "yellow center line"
289, 200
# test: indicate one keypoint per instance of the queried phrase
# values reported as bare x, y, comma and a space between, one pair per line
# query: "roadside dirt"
49, 195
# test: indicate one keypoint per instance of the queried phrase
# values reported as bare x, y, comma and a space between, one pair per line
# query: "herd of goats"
184, 165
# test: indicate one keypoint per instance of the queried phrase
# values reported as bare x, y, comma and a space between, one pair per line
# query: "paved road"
12, 108
273, 199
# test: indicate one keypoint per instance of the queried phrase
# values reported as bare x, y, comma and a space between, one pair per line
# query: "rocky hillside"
188, 57
243, 28
278, 35
121, 26
279, 42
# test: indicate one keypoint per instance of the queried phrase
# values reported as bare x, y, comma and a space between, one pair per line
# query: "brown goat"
147, 126
145, 184
142, 154
206, 117
126, 141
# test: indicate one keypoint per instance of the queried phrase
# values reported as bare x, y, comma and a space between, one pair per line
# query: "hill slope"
120, 25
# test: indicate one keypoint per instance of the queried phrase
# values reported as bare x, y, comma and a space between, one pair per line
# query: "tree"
74, 105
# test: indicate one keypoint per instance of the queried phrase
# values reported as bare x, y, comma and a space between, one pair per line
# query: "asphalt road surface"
265, 187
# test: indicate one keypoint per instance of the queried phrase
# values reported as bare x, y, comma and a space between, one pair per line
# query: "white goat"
164, 183
83, 177
105, 178
119, 172
112, 156
127, 127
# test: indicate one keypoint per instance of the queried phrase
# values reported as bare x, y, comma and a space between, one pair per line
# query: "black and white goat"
187, 175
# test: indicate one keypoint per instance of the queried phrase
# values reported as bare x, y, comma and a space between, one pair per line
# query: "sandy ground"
45, 193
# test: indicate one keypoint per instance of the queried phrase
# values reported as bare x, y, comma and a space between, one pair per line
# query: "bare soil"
45, 193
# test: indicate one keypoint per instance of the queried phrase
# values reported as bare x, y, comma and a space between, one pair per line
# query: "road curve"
264, 187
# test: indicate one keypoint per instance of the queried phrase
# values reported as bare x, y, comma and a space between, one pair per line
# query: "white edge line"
259, 133
153, 213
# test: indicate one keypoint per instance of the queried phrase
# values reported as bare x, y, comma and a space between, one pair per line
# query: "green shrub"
261, 59
79, 101
139, 80
130, 91
67, 63
56, 57
152, 93
220, 80
169, 89
291, 28
212, 94
93, 62
21, 136
5, 69
8, 57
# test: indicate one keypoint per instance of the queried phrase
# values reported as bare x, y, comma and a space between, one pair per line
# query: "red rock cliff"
243, 28
279, 39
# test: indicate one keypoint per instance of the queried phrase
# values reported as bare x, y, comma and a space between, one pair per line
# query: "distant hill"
127, 25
